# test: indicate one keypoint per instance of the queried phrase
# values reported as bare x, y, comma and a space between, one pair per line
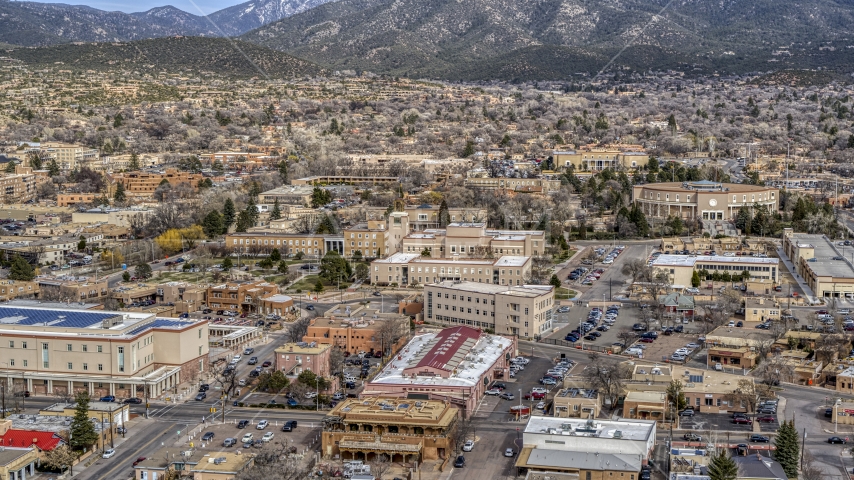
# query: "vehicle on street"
692, 437
201, 396
460, 462
208, 436
759, 438
109, 453
133, 400
509, 452
835, 440
468, 446
688, 412
108, 398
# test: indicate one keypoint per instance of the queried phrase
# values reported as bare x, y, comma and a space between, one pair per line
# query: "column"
112, 388
70, 387
49, 387
91, 389
29, 383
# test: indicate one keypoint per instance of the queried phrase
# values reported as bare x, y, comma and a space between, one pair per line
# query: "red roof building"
444, 353
44, 441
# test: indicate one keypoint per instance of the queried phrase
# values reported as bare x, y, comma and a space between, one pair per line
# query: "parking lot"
702, 423
299, 436
498, 408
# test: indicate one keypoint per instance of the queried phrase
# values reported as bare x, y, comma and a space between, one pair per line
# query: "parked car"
759, 438
468, 446
229, 442
208, 436
509, 452
109, 453
460, 462
289, 426
692, 437
262, 425
138, 461
688, 412
742, 421
766, 419
507, 396
242, 424
267, 437
108, 398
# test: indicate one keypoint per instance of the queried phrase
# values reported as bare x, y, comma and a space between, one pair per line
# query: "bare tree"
380, 465
391, 331
744, 394
775, 370
809, 467
297, 329
462, 430
609, 380
278, 460
336, 361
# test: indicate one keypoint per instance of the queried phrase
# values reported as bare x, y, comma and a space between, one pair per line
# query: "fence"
577, 345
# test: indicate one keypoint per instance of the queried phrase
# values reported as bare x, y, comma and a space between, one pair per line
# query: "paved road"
146, 438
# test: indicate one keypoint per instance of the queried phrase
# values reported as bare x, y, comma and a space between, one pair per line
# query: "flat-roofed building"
294, 358
50, 351
345, 180
645, 405
241, 296
68, 156
222, 466
682, 267
597, 159
589, 448
577, 402
265, 240
706, 390
411, 268
288, 195
524, 311
140, 184
359, 328
424, 216
760, 309
825, 267
74, 290
453, 364
402, 429
702, 199
474, 240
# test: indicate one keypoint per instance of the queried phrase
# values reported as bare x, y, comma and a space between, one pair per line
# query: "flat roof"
552, 458
397, 409
303, 348
466, 374
511, 261
691, 260
9, 454
492, 289
632, 430
398, 258
705, 187
830, 260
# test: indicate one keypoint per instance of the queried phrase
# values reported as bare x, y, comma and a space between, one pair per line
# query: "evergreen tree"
119, 196
788, 448
320, 197
36, 160
318, 287
326, 226
133, 165
10, 166
695, 279
212, 224
468, 150
276, 213
555, 281
82, 431
283, 170
283, 267
125, 276
275, 255
81, 245
52, 168
20, 269
444, 216
722, 467
227, 264
142, 271
229, 215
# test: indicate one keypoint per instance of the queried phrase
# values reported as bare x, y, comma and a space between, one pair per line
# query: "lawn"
564, 293
306, 284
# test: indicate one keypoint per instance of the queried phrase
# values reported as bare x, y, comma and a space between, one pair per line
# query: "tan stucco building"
411, 269
49, 351
820, 263
524, 311
702, 199
474, 240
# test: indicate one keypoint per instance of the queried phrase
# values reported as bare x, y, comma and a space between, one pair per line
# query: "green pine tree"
20, 269
227, 264
695, 279
788, 448
283, 171
275, 255
133, 165
722, 467
229, 215
283, 267
52, 168
555, 281
276, 212
212, 224
119, 196
444, 216
82, 430
318, 287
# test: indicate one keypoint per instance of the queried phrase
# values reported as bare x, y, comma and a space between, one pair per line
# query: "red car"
647, 340
534, 396
138, 461
767, 418
742, 421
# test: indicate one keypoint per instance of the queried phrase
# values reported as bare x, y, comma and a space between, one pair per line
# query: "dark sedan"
836, 440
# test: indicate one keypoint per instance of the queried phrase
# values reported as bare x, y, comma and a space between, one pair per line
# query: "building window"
68, 346
100, 367
100, 349
25, 363
85, 348
23, 344
85, 366
11, 344
70, 367
11, 362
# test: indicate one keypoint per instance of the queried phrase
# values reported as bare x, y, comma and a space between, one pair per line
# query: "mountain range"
39, 24
481, 39
486, 39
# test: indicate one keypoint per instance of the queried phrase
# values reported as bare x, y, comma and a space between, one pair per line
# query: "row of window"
353, 235
276, 242
462, 310
465, 321
738, 268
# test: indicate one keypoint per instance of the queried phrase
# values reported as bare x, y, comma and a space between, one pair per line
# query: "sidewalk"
806, 289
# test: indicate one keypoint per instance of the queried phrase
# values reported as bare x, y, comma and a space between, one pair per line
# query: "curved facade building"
704, 199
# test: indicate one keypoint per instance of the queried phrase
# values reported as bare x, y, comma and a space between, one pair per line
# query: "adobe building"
702, 199
403, 429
